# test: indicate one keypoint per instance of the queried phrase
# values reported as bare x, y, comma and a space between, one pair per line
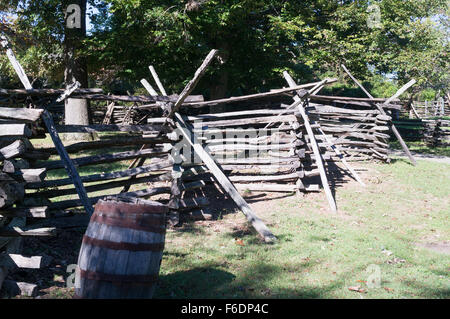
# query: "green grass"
319, 254
422, 148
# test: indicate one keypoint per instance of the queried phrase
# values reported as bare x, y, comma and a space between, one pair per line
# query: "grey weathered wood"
256, 222
103, 186
315, 148
20, 261
149, 88
415, 111
108, 114
294, 105
380, 108
35, 212
156, 166
15, 149
139, 193
12, 165
32, 174
241, 122
139, 162
261, 169
15, 64
257, 160
343, 160
255, 178
102, 259
25, 175
10, 192
352, 99
114, 142
266, 187
325, 109
47, 92
110, 128
48, 120
106, 158
67, 162
225, 183
14, 130
141, 99
17, 232
157, 81
192, 83
255, 96
239, 114
246, 147
14, 288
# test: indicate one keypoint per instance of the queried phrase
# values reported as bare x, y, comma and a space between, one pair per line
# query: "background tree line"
257, 41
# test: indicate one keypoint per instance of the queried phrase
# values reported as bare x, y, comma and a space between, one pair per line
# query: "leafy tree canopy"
257, 40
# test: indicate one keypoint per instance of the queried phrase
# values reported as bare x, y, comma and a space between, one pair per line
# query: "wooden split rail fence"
274, 141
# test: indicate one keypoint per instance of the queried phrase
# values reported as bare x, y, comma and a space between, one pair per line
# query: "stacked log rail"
360, 133
27, 195
253, 158
288, 163
134, 109
436, 132
153, 177
17, 158
354, 124
427, 109
117, 148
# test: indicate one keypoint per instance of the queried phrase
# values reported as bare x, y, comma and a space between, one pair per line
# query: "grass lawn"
421, 148
320, 254
381, 231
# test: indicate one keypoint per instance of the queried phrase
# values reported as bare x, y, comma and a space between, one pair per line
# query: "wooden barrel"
122, 250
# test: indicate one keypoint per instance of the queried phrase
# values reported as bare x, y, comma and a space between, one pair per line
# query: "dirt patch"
439, 247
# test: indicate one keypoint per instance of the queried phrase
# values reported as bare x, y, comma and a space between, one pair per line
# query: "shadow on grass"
420, 148
400, 160
426, 291
202, 282
254, 282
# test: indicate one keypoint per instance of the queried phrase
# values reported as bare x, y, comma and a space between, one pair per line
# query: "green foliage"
427, 94
257, 40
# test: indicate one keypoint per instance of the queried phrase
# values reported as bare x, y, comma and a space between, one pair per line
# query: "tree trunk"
76, 110
219, 89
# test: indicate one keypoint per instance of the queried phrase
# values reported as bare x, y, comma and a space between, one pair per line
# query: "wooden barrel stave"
129, 258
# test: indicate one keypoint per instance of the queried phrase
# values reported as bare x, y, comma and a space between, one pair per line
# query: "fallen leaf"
239, 242
388, 289
395, 261
357, 289
58, 278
